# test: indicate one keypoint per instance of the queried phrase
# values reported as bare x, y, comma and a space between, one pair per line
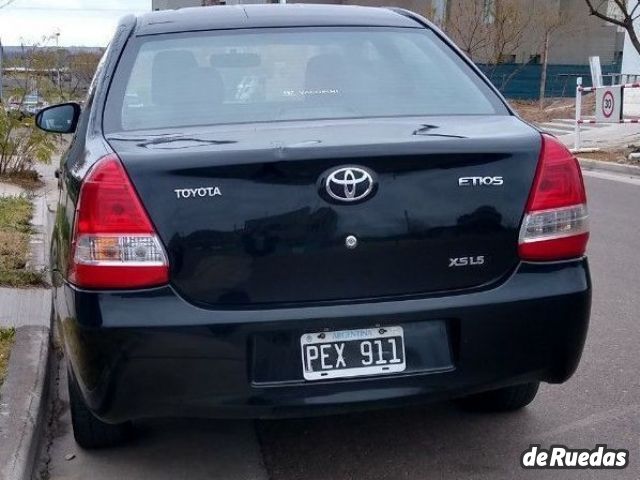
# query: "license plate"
353, 353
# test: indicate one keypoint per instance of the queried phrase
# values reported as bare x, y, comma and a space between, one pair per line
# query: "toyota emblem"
349, 184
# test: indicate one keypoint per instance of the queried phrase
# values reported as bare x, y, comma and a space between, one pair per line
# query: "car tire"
502, 400
89, 431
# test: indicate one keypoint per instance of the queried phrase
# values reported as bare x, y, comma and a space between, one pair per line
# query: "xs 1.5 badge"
467, 261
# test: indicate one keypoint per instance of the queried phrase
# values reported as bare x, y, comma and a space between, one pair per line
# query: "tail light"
114, 243
555, 225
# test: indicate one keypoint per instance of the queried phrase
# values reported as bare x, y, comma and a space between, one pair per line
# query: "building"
596, 37
432, 8
172, 4
516, 29
508, 39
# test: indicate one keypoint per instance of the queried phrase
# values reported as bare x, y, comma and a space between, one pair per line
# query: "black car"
307, 209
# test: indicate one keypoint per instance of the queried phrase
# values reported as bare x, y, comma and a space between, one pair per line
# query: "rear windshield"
221, 77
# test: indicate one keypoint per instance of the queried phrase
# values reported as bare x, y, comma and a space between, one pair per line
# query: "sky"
88, 23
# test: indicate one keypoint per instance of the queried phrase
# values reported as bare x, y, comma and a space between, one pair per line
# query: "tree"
510, 24
81, 67
620, 13
467, 26
551, 19
489, 31
21, 143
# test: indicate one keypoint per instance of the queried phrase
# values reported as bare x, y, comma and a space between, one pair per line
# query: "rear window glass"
239, 76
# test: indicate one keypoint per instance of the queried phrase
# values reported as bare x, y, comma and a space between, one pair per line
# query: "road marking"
616, 177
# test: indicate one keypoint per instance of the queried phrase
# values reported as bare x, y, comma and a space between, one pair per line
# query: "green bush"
22, 144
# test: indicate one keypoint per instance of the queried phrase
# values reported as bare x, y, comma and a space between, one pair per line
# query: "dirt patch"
619, 155
6, 341
28, 179
15, 232
554, 108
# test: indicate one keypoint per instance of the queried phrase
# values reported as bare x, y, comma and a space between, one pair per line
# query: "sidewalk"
24, 391
21, 307
609, 136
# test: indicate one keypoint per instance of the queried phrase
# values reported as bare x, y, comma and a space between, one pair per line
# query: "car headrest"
169, 70
206, 87
327, 71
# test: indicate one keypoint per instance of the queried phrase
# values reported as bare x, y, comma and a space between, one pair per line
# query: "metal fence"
523, 81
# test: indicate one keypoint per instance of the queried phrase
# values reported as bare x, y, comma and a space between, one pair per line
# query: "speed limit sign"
609, 104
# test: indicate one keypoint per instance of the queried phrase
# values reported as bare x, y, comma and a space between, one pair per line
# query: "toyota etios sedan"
307, 209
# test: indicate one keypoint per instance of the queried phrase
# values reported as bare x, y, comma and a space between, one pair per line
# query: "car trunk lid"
246, 220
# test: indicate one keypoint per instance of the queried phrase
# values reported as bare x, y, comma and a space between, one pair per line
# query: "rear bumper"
151, 354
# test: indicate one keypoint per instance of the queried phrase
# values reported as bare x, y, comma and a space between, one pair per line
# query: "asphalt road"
600, 404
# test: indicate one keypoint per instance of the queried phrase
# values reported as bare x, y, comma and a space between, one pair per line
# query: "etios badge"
481, 181
349, 184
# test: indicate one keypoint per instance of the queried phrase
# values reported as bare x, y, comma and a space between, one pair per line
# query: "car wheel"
502, 400
89, 431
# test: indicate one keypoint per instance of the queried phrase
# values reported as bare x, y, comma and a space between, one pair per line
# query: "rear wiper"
423, 131
170, 139
173, 140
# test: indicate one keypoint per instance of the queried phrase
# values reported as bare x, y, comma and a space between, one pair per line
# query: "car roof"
269, 15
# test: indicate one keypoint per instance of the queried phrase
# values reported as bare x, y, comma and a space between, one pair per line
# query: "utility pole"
1, 67
58, 57
440, 12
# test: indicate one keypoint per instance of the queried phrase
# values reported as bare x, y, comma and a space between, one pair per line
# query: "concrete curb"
588, 164
23, 402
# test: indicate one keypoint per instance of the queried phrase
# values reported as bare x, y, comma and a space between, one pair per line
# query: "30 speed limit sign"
609, 104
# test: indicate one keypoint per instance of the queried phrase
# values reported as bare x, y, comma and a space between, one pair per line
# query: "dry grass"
15, 214
565, 108
554, 108
618, 155
6, 341
15, 230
